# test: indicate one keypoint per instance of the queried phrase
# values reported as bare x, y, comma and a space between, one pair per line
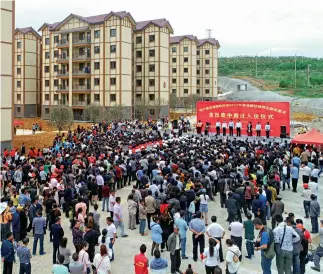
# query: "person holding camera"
264, 242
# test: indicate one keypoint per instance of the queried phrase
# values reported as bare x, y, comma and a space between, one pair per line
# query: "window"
138, 53
18, 109
138, 83
198, 52
55, 53
207, 71
185, 70
151, 68
185, 59
55, 83
46, 97
113, 97
113, 48
151, 97
81, 82
185, 49
46, 83
55, 97
151, 82
151, 53
18, 45
207, 91
18, 97
113, 32
207, 52
198, 62
46, 111
173, 49
81, 97
185, 91
96, 81
174, 80
18, 70
174, 60
138, 39
113, 81
185, 80
97, 97
96, 34
46, 41
56, 39
197, 91
198, 81
207, 62
151, 38
173, 70
18, 58
198, 72
174, 90
55, 68
96, 65
138, 96
46, 69
207, 81
96, 49
18, 84
113, 65
151, 111
47, 55
138, 68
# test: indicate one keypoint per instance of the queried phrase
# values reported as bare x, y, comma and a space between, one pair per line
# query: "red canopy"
18, 122
313, 137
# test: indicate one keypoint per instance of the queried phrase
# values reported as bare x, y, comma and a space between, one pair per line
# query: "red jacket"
141, 264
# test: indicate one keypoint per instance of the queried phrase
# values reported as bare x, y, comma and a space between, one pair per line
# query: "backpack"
269, 252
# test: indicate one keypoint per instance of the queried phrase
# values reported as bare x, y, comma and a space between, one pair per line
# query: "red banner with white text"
276, 113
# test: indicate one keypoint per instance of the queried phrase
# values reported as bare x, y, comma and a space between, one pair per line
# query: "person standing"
182, 226
318, 252
199, 127
315, 212
91, 237
238, 128
112, 201
77, 236
306, 240
294, 172
231, 127
277, 209
132, 210
232, 257
100, 183
217, 232
105, 196
249, 129
156, 235
39, 226
150, 206
59, 268
249, 236
258, 129
306, 194
218, 127
58, 234
101, 261
158, 265
197, 227
24, 256
141, 261
142, 218
8, 253
211, 256
224, 128
75, 266
174, 246
112, 234
118, 217
267, 129
236, 231
66, 252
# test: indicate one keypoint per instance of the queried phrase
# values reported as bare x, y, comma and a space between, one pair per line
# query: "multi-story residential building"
88, 60
7, 37
207, 68
27, 73
183, 65
151, 67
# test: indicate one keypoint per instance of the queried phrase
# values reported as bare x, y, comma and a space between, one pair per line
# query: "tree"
117, 112
159, 104
95, 113
142, 107
173, 101
61, 117
193, 99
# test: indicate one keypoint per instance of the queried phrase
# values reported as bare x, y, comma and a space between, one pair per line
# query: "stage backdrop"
276, 113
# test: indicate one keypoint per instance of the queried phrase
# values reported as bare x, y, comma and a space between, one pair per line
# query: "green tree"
95, 113
61, 117
117, 112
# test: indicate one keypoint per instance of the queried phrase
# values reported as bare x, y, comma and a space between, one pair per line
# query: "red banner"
276, 113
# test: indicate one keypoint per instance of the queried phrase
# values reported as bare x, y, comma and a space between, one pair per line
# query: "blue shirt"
263, 200
296, 161
197, 225
24, 254
294, 172
182, 226
7, 251
39, 224
59, 269
265, 240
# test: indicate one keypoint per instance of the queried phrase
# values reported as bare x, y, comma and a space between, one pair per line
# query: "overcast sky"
249, 27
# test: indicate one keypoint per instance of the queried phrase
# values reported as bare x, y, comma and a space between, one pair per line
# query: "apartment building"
183, 65
151, 67
7, 15
27, 73
87, 60
207, 68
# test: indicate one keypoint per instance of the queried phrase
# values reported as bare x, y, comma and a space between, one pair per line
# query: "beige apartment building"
87, 60
27, 89
7, 37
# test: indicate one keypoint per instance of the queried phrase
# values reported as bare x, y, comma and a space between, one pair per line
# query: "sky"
249, 27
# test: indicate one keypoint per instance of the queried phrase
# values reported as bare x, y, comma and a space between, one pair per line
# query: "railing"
63, 42
82, 88
80, 103
62, 57
62, 88
62, 72
77, 56
84, 71
81, 41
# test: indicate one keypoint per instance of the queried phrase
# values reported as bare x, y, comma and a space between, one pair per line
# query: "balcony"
62, 88
78, 103
85, 72
81, 57
63, 58
63, 43
84, 41
78, 88
62, 73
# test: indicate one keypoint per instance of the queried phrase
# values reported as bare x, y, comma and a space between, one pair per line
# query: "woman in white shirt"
104, 240
211, 256
232, 258
204, 205
84, 258
102, 262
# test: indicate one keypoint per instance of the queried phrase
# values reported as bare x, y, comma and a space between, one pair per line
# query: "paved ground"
126, 248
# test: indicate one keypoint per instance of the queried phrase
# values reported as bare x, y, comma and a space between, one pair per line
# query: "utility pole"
209, 33
308, 77
295, 72
256, 65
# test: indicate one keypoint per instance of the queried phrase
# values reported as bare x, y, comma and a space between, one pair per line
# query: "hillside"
277, 73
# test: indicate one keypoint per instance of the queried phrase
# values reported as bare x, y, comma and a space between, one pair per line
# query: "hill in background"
277, 73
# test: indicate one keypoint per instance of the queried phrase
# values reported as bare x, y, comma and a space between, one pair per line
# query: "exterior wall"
27, 96
7, 15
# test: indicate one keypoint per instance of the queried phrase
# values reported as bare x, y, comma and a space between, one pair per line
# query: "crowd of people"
80, 176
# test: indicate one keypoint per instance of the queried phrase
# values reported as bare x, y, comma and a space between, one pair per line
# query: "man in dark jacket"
8, 253
221, 188
91, 237
242, 201
232, 207
58, 234
67, 199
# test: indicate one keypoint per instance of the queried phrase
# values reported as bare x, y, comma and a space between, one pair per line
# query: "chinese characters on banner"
276, 113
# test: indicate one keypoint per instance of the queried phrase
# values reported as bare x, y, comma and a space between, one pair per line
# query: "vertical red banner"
276, 113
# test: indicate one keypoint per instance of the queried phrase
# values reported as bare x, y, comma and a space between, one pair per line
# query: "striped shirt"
24, 254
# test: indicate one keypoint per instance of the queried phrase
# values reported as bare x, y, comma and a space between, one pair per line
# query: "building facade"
7, 10
27, 89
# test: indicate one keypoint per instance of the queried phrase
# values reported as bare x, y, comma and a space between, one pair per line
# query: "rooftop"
177, 39
28, 29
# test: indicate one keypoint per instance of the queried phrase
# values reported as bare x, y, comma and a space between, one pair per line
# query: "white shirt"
232, 266
112, 200
258, 126
177, 215
102, 264
117, 210
306, 170
285, 170
238, 125
218, 124
224, 125
203, 200
231, 124
215, 230
267, 127
212, 261
236, 229
314, 187
111, 231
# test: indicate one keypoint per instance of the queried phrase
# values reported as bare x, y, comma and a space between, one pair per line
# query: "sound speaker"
283, 132
175, 124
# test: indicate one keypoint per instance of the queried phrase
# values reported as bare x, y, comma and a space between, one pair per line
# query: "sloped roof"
313, 137
157, 22
177, 39
28, 29
209, 40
